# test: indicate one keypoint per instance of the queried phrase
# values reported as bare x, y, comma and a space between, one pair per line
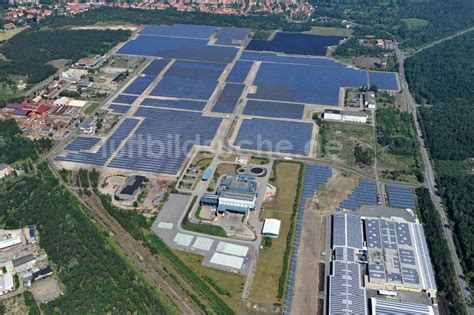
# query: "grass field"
270, 261
399, 163
204, 229
231, 283
286, 182
330, 31
9, 34
203, 159
343, 137
91, 108
415, 23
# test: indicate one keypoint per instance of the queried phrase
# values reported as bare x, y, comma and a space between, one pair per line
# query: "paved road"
430, 179
439, 41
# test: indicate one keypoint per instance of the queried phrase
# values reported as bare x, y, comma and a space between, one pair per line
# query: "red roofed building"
9, 26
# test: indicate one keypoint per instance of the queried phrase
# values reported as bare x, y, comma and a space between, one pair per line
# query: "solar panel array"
314, 177
162, 147
178, 104
384, 80
383, 306
346, 293
400, 196
274, 109
239, 72
229, 35
429, 280
139, 85
280, 58
275, 136
178, 48
82, 143
180, 30
155, 67
346, 231
364, 194
119, 109
124, 99
305, 84
106, 150
189, 79
228, 99
295, 43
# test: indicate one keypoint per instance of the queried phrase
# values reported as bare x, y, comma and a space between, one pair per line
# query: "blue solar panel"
239, 72
275, 135
280, 58
228, 99
82, 143
106, 150
383, 80
231, 35
119, 109
155, 67
274, 109
305, 84
179, 104
295, 43
188, 79
177, 48
139, 85
125, 99
163, 140
180, 30
364, 194
400, 196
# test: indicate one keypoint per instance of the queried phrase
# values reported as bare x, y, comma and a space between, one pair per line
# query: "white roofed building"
271, 227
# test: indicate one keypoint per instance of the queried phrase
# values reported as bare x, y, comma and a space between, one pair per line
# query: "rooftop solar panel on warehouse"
155, 67
139, 85
228, 99
295, 43
119, 109
384, 80
400, 196
124, 99
189, 79
275, 136
315, 176
177, 48
229, 35
239, 72
364, 194
274, 109
82, 143
346, 231
107, 149
180, 30
178, 104
304, 84
162, 141
281, 58
386, 307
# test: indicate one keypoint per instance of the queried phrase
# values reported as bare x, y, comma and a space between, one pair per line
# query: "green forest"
442, 76
29, 52
442, 263
434, 18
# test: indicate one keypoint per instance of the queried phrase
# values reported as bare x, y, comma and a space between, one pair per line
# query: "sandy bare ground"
45, 290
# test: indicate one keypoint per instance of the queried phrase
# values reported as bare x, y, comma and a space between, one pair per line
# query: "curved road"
429, 173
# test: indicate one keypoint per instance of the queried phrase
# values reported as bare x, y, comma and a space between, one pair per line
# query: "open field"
330, 31
202, 159
331, 193
270, 262
92, 107
400, 164
415, 23
4, 36
229, 284
343, 137
286, 182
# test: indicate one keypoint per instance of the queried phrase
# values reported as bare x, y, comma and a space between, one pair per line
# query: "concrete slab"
183, 239
202, 243
227, 260
232, 249
165, 225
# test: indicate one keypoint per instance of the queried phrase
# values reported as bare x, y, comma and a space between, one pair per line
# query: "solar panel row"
280, 58
155, 67
364, 194
384, 80
124, 99
82, 143
275, 136
178, 104
228, 35
119, 109
315, 176
400, 196
239, 72
274, 109
228, 99
180, 30
139, 85
162, 147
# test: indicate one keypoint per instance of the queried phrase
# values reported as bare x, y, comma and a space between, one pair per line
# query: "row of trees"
442, 76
